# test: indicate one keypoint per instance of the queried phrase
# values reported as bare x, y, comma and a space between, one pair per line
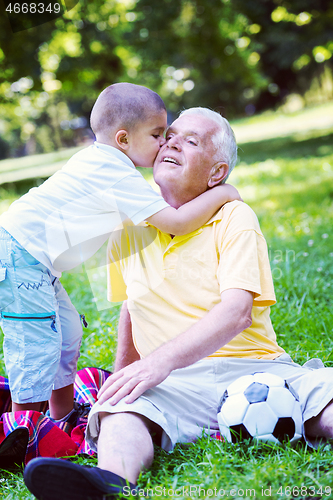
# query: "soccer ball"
260, 406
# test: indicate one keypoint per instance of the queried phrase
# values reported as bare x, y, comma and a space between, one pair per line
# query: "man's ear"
218, 173
121, 139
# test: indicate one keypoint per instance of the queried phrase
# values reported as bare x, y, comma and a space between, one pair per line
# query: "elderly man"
196, 318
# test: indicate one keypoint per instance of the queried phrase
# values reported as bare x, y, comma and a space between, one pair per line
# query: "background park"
267, 66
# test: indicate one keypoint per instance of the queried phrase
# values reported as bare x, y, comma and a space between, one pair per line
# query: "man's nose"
174, 143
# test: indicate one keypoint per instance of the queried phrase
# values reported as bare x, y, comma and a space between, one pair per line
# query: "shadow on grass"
299, 195
295, 146
305, 196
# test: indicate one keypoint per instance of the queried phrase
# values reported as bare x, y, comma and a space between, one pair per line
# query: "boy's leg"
61, 402
28, 406
62, 398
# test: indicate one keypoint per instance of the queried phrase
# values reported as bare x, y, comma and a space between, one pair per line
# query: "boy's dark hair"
123, 105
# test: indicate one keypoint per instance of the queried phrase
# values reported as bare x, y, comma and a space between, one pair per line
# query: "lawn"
287, 178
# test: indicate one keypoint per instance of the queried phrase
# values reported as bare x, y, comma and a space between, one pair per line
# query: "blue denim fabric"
42, 330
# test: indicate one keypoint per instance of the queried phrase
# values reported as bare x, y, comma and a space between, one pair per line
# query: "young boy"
62, 223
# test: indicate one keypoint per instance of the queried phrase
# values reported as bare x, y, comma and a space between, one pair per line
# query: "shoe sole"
13, 448
57, 479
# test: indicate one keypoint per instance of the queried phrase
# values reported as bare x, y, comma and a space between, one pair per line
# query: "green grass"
34, 166
289, 183
288, 180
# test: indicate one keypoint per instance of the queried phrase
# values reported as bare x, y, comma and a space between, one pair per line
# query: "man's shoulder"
237, 211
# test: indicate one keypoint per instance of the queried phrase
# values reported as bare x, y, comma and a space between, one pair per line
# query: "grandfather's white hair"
224, 139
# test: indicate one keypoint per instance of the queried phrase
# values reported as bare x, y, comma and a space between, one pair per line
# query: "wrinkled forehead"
199, 126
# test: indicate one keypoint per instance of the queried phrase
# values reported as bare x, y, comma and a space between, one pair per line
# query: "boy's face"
146, 139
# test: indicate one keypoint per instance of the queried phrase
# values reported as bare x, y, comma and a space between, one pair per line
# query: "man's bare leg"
125, 446
321, 426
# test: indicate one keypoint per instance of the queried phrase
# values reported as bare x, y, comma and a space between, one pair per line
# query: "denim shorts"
42, 329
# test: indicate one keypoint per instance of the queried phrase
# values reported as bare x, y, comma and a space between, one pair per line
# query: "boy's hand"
229, 193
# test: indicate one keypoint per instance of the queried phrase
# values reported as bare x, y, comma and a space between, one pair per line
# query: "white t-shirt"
67, 219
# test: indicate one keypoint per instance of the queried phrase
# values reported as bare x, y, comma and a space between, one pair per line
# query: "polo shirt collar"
216, 217
177, 239
111, 150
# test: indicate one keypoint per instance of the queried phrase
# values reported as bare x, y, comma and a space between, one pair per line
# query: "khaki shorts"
185, 405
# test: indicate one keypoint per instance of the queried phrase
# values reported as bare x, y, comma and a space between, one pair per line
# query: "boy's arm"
195, 213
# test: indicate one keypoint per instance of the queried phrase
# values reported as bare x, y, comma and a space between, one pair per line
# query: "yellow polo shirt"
171, 283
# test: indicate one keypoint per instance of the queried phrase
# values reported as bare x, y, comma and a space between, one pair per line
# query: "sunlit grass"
311, 120
288, 181
34, 166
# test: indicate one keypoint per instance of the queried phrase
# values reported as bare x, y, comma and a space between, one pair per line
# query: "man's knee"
128, 421
322, 424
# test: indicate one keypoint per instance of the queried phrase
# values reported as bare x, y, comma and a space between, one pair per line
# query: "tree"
236, 56
51, 74
195, 53
240, 54
294, 40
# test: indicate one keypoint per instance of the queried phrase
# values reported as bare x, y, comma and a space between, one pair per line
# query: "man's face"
145, 141
184, 163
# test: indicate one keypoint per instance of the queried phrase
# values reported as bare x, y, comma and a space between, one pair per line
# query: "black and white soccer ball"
260, 406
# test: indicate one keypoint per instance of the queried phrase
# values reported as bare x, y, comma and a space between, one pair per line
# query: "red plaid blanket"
29, 434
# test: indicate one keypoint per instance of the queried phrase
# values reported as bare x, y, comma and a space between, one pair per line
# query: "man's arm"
226, 320
126, 352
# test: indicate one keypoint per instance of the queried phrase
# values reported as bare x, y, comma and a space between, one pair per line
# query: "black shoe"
57, 479
78, 415
13, 448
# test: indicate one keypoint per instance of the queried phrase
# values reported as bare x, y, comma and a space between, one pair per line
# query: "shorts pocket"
9, 316
6, 291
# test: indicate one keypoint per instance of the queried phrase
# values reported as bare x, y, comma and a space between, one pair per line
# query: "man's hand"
133, 380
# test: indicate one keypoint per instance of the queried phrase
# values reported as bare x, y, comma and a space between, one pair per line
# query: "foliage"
51, 75
192, 48
293, 40
235, 56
